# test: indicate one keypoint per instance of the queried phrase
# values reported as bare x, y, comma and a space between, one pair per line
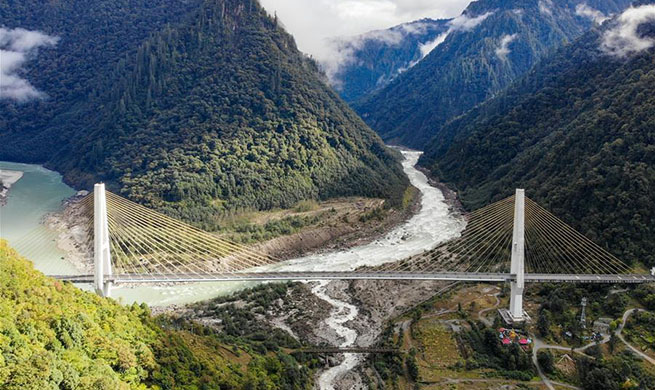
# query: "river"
41, 191
38, 192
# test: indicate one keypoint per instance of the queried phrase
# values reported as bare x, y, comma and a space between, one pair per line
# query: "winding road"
539, 344
632, 348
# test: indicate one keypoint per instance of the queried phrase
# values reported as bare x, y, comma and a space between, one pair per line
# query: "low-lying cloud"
623, 38
461, 23
586, 11
545, 7
315, 24
427, 47
503, 50
16, 47
344, 48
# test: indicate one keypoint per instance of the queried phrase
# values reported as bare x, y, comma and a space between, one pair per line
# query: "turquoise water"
38, 192
41, 191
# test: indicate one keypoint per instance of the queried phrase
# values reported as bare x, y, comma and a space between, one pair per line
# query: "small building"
602, 325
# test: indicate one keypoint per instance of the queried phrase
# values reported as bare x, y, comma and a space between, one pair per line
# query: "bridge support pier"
515, 314
101, 249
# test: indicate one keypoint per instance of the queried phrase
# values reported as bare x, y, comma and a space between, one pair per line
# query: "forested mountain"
370, 61
491, 44
212, 109
578, 132
55, 336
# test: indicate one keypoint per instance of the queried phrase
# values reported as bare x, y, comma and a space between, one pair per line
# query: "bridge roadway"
359, 275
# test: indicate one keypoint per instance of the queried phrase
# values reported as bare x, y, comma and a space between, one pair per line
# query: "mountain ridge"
471, 64
575, 132
371, 60
217, 112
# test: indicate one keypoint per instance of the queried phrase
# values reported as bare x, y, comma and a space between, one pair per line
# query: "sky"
311, 22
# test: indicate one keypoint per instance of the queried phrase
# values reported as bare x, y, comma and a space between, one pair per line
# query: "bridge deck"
355, 275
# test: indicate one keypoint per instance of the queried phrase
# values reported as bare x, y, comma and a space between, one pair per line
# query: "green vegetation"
577, 134
621, 371
306, 205
373, 61
609, 366
54, 336
482, 349
545, 360
213, 109
639, 330
238, 315
559, 310
466, 69
645, 294
250, 232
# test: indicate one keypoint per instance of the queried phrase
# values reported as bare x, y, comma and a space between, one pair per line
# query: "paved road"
539, 344
620, 335
481, 313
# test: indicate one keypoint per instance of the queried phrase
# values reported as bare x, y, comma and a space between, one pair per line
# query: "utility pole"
583, 317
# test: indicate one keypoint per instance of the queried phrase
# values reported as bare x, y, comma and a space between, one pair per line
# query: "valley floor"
331, 225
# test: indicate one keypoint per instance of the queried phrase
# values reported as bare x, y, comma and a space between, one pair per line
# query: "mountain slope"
55, 336
370, 61
78, 67
489, 46
220, 111
577, 133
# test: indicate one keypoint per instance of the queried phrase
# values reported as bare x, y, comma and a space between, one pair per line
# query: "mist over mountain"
490, 45
577, 132
192, 109
367, 62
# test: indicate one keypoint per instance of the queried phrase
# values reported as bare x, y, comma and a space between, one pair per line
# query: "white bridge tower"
101, 251
515, 314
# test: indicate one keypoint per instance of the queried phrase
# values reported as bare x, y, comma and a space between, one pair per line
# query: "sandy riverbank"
341, 231
7, 179
74, 228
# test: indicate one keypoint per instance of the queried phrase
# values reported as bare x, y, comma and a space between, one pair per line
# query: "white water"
343, 313
41, 191
433, 224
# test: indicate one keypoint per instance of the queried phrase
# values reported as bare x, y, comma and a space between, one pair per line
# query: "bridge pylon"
515, 314
101, 248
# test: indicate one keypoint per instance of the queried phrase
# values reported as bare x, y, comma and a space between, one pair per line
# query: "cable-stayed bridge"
513, 240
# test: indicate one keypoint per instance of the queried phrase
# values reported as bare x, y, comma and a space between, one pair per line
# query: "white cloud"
623, 38
315, 23
503, 50
588, 12
464, 23
16, 46
545, 7
461, 23
427, 47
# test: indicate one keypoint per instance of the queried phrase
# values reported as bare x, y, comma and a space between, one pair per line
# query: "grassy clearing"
257, 226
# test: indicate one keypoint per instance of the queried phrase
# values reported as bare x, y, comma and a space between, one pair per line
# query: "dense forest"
372, 60
578, 134
55, 336
492, 44
215, 110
